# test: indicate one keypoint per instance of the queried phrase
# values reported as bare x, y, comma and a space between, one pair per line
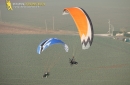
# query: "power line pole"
0, 15
53, 23
109, 27
112, 29
46, 25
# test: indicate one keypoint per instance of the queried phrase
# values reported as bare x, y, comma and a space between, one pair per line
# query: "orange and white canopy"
83, 23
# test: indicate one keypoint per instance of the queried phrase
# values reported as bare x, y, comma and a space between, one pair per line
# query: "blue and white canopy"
49, 42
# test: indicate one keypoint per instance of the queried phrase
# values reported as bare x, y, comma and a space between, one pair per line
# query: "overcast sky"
118, 11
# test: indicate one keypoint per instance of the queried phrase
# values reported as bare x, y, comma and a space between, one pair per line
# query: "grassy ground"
105, 63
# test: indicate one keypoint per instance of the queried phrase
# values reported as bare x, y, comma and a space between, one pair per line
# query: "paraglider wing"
83, 23
49, 42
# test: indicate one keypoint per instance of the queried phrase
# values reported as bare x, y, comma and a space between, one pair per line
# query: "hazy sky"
118, 11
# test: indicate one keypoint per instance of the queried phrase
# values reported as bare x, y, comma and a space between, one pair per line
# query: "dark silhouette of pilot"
46, 75
72, 61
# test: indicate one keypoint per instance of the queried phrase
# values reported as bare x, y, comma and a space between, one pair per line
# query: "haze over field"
118, 11
106, 62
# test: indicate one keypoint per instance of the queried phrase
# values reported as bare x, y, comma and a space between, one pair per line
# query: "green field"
107, 62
